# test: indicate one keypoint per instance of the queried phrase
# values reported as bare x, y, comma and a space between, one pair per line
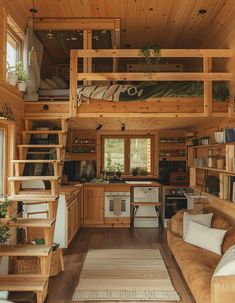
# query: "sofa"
198, 264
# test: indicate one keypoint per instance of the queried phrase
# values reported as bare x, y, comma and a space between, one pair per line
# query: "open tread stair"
33, 196
33, 222
25, 250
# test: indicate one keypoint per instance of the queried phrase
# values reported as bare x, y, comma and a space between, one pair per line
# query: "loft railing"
207, 75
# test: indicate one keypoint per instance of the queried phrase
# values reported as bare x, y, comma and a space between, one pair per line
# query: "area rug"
124, 275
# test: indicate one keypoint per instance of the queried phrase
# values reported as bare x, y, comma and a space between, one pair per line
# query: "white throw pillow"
44, 85
204, 219
52, 83
60, 82
226, 265
205, 237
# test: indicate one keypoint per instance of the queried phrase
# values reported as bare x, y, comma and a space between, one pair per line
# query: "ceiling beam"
75, 23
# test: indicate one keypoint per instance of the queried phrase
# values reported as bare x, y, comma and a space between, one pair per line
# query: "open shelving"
225, 174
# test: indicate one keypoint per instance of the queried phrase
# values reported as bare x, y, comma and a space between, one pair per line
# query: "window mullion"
127, 155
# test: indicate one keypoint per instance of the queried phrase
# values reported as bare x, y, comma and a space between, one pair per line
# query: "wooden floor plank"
61, 288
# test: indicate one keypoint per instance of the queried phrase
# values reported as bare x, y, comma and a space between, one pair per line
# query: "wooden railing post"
73, 82
207, 68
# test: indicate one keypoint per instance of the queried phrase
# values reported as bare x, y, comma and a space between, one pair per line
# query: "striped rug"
124, 275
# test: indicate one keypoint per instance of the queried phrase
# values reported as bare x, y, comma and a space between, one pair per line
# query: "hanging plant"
151, 55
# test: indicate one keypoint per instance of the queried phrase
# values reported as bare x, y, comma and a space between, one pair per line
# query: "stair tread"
17, 282
25, 251
49, 131
32, 198
36, 161
25, 178
33, 222
41, 145
44, 118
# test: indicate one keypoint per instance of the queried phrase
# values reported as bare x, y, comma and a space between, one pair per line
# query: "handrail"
207, 76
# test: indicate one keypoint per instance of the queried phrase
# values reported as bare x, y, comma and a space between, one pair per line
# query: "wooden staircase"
33, 196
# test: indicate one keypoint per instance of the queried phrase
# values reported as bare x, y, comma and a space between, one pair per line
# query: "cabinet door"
93, 205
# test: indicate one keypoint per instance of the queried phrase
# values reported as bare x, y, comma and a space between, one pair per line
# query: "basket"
31, 265
57, 263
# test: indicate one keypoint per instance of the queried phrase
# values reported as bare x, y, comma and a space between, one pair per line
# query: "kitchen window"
131, 155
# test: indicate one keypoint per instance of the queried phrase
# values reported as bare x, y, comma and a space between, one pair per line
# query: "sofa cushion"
177, 220
196, 264
203, 219
205, 237
226, 266
229, 239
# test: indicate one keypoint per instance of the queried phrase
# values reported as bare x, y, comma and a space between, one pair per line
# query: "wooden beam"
74, 23
169, 53
139, 115
207, 68
155, 76
73, 83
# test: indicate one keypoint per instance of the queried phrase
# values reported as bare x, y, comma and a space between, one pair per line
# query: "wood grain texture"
62, 287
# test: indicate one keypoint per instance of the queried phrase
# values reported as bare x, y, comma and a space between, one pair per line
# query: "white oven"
117, 204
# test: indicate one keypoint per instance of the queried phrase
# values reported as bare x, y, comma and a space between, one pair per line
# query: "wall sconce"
123, 127
99, 127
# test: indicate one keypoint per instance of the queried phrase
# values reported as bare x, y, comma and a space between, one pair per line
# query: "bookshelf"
213, 160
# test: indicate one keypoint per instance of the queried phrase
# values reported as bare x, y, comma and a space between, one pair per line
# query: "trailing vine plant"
4, 228
151, 55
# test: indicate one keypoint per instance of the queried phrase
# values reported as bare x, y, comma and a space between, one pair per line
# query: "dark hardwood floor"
61, 288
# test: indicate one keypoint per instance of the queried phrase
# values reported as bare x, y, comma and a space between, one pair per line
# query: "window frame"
127, 147
18, 41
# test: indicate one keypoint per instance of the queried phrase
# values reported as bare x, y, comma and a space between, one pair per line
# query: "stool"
135, 206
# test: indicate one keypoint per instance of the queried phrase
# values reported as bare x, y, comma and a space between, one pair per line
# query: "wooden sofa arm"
223, 289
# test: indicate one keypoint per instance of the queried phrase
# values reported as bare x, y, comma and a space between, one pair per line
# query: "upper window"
13, 49
128, 154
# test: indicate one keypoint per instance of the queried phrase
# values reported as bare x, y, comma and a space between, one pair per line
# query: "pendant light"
32, 52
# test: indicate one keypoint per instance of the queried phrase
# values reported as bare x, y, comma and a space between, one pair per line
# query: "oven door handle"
176, 198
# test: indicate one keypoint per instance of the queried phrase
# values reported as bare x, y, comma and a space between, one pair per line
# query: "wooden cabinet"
93, 206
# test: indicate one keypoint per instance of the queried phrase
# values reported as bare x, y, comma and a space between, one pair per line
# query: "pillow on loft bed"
60, 83
44, 85
52, 83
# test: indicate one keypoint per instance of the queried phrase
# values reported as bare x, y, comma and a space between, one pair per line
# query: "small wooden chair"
134, 209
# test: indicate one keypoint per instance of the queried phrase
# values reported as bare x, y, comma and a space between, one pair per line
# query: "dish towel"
117, 206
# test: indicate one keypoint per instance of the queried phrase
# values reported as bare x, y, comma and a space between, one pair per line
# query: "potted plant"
4, 238
22, 76
12, 78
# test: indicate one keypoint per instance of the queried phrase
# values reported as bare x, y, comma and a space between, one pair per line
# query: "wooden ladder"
39, 282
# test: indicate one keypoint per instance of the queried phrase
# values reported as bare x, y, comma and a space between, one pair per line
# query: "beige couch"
198, 265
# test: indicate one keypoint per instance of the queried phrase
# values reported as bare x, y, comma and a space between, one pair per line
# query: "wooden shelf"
83, 156
211, 145
25, 250
172, 144
173, 158
33, 222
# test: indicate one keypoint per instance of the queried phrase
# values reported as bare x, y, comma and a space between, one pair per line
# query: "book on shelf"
229, 188
229, 135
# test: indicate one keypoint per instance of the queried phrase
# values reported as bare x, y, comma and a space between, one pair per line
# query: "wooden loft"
158, 107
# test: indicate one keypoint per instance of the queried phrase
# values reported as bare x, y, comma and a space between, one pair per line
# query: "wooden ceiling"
138, 123
171, 23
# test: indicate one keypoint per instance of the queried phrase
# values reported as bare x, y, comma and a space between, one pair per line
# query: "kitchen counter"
69, 190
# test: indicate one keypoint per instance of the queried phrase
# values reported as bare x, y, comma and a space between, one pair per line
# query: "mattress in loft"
147, 90
53, 93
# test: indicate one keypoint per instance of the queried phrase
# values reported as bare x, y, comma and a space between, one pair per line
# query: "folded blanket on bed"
147, 90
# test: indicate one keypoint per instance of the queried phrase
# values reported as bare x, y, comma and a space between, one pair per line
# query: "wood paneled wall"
8, 93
